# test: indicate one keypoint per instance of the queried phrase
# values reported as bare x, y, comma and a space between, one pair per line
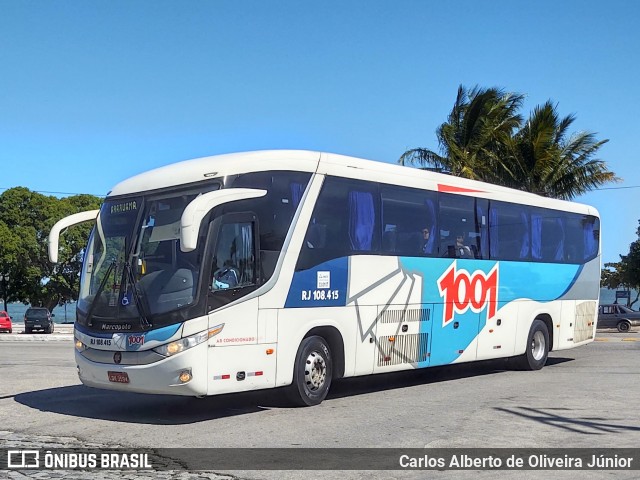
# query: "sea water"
63, 314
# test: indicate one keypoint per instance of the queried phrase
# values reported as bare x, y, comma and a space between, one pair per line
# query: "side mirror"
54, 235
202, 205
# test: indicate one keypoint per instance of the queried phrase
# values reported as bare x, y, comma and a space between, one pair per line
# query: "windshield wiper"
137, 298
103, 283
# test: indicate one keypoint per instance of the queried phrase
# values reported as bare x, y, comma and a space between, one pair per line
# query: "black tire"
624, 326
27, 330
312, 373
535, 356
10, 330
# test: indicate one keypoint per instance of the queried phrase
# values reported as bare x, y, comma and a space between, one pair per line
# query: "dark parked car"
5, 322
38, 318
618, 316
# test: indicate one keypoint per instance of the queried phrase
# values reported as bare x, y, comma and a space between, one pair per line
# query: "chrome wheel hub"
538, 345
315, 371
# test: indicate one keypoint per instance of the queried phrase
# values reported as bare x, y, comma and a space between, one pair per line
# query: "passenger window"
345, 222
460, 234
510, 231
409, 222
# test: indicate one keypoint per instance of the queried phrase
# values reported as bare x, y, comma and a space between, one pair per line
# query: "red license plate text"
118, 377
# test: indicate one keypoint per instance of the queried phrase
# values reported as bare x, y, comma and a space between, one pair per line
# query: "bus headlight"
80, 347
188, 342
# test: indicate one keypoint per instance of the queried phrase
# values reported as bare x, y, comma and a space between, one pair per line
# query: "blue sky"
92, 92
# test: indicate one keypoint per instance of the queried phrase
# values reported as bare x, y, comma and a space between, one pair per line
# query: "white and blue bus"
292, 268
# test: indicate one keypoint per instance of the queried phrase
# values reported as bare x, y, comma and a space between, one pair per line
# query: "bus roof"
205, 168
202, 169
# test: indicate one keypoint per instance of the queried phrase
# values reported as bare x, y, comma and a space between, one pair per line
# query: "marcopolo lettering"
115, 326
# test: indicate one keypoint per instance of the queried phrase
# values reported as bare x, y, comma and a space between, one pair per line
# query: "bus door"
403, 335
234, 246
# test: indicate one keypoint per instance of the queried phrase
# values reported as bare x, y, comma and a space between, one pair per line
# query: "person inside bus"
226, 277
462, 250
425, 247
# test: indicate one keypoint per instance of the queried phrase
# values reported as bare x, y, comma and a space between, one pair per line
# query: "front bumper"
159, 377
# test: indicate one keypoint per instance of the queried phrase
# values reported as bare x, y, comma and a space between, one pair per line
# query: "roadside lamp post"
5, 279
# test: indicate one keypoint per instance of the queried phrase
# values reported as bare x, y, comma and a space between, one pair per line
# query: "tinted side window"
409, 221
461, 227
234, 259
275, 210
520, 232
345, 221
510, 231
590, 227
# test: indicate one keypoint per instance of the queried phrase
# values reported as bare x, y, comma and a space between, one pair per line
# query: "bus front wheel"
537, 350
313, 372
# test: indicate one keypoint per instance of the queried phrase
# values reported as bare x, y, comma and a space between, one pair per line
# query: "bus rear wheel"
537, 350
312, 374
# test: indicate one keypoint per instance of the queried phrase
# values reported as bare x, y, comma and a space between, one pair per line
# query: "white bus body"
266, 269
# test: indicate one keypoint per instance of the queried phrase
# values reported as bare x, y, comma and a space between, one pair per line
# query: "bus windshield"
134, 269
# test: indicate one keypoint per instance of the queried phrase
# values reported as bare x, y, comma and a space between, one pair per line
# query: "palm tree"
484, 138
550, 162
474, 139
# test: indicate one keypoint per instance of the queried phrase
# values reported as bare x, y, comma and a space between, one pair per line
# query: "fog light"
185, 376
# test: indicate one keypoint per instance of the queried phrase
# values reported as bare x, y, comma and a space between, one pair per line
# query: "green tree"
26, 218
626, 272
549, 161
475, 136
485, 138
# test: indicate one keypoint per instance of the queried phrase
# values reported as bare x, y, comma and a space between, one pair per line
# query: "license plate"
37, 326
118, 377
